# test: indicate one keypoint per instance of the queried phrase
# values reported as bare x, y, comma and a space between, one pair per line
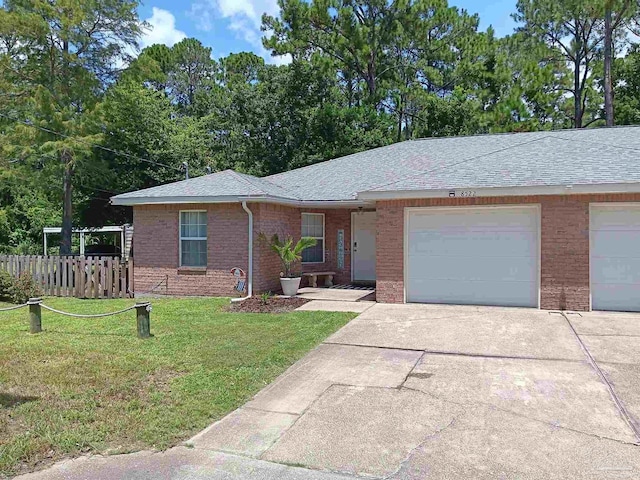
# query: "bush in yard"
6, 281
23, 288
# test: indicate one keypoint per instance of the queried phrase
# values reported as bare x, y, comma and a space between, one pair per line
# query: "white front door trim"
408, 210
353, 236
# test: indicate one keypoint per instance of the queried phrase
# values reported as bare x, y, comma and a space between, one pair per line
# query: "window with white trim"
313, 226
193, 238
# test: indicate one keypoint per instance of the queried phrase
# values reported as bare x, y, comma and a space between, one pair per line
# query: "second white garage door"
615, 257
478, 256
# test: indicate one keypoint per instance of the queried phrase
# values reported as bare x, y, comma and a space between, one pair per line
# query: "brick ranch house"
545, 219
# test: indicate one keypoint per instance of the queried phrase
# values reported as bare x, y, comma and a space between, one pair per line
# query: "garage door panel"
617, 297
498, 219
474, 268
485, 256
615, 257
618, 217
616, 270
473, 293
489, 244
626, 243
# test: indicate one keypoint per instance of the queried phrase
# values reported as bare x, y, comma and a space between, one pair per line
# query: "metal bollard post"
142, 314
35, 315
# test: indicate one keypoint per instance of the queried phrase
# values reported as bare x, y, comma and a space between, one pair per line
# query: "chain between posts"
15, 307
143, 310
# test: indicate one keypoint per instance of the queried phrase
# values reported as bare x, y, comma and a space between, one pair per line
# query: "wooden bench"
313, 278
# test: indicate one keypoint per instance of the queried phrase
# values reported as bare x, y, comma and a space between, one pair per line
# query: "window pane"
313, 254
312, 225
193, 225
194, 253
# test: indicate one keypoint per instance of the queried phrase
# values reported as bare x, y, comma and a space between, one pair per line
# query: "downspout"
250, 269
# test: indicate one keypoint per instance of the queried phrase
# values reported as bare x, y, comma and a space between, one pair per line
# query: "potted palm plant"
290, 255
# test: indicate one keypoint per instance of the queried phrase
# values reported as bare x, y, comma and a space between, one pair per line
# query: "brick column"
564, 276
390, 252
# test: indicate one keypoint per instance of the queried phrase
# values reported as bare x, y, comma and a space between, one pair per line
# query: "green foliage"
627, 99
23, 288
6, 282
265, 297
290, 254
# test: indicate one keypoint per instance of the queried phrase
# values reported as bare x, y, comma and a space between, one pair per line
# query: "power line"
94, 145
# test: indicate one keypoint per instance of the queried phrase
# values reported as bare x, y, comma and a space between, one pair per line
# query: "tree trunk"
400, 118
608, 59
67, 205
577, 95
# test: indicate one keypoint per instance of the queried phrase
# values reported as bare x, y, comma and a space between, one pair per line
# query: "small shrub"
23, 288
6, 280
265, 297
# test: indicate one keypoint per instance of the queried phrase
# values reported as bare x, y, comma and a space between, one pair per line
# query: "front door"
363, 246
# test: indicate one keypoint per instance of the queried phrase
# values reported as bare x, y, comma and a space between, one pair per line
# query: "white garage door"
478, 256
615, 257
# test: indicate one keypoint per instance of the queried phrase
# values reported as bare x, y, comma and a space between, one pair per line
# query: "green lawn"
90, 385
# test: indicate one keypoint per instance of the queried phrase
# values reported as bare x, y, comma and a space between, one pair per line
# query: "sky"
230, 26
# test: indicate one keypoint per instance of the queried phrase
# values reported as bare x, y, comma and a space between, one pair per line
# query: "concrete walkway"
336, 306
428, 392
337, 294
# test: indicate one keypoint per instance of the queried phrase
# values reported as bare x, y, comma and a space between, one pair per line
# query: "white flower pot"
290, 286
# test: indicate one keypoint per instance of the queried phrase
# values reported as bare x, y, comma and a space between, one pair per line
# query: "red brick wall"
334, 220
287, 221
156, 250
564, 282
269, 219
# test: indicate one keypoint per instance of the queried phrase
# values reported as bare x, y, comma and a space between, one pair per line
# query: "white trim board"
472, 192
133, 201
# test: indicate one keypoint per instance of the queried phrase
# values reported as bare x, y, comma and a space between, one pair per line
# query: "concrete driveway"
436, 392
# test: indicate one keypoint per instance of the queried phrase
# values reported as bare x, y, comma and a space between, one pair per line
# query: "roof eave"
133, 201
581, 189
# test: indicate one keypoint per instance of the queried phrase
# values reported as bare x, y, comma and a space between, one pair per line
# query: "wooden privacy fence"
69, 276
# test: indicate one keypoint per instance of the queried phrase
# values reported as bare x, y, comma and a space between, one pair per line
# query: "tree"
59, 56
352, 34
192, 72
571, 29
627, 99
616, 14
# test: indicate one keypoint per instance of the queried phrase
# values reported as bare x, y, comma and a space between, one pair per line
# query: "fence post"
35, 315
142, 315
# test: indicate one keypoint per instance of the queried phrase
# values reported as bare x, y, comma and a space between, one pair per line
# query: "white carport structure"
124, 231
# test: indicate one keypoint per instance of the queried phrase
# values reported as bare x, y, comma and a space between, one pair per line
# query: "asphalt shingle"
227, 183
562, 157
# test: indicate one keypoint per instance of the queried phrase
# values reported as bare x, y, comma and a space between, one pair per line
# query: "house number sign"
340, 249
462, 193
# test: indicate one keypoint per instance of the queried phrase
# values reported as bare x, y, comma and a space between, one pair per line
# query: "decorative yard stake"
35, 315
142, 313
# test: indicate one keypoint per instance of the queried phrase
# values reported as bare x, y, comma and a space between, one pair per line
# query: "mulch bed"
273, 305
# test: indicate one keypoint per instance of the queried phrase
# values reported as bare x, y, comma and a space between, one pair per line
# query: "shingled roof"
538, 159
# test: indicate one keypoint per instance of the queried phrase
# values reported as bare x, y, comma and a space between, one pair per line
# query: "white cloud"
162, 29
249, 9
244, 18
